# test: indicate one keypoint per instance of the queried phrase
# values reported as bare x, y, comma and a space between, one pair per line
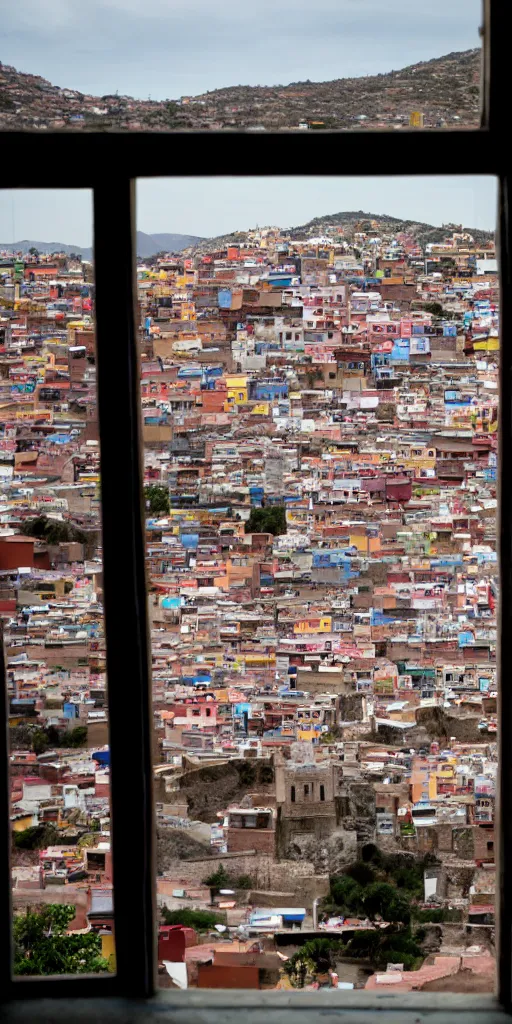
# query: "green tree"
41, 945
242, 882
21, 737
170, 113
200, 920
37, 837
39, 741
157, 500
361, 872
347, 894
314, 957
218, 879
269, 519
76, 737
222, 879
384, 899
433, 307
53, 531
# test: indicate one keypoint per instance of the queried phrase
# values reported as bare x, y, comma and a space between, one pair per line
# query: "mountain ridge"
348, 220
147, 245
445, 90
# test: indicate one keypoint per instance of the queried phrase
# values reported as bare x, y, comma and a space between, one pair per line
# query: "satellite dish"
220, 927
227, 892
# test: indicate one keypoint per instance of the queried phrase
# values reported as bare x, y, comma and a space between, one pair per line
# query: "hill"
445, 90
359, 220
147, 245
346, 223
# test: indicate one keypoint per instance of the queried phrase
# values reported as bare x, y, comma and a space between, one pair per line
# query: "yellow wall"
313, 625
22, 823
108, 949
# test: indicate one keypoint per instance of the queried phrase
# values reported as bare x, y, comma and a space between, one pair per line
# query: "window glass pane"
51, 601
120, 66
320, 427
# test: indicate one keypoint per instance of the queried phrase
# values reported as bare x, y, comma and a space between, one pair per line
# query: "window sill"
208, 1006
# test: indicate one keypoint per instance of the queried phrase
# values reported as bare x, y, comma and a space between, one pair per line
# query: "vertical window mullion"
504, 816
5, 815
128, 666
496, 65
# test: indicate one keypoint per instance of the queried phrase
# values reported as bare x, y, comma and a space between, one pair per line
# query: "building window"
292, 794
322, 791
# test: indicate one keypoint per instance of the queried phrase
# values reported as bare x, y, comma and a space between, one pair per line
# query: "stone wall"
292, 876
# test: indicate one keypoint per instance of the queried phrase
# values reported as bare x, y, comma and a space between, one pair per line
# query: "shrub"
200, 920
243, 882
364, 944
269, 519
382, 898
157, 498
41, 945
393, 956
222, 879
362, 873
37, 837
347, 894
218, 879
436, 915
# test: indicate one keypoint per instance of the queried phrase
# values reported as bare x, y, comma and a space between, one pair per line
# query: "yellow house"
259, 660
108, 949
307, 734
22, 822
320, 625
236, 386
490, 344
359, 539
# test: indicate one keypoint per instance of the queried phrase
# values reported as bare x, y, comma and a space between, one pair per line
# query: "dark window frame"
109, 164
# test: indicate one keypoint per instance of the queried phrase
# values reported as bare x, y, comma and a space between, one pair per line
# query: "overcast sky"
166, 48
163, 48
213, 206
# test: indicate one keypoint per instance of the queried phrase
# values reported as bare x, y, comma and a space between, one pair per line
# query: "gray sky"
212, 206
166, 49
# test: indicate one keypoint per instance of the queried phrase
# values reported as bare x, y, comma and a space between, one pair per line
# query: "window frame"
109, 164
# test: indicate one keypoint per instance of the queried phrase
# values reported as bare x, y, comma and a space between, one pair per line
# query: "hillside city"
439, 93
319, 418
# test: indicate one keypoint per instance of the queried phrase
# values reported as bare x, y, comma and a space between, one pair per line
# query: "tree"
433, 307
37, 837
314, 957
157, 500
361, 872
347, 894
269, 519
200, 920
384, 899
222, 879
76, 737
170, 111
33, 251
41, 945
39, 741
219, 879
53, 531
